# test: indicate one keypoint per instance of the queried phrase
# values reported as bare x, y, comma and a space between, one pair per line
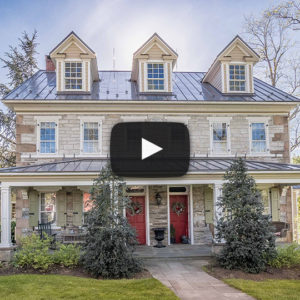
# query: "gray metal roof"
116, 85
196, 165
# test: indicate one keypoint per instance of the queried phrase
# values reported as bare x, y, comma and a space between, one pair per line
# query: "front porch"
184, 207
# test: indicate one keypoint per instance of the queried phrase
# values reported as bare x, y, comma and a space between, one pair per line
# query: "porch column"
5, 217
217, 209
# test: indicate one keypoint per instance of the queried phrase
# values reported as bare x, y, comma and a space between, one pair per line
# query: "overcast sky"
197, 30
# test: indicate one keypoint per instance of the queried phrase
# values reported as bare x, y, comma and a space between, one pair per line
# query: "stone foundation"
6, 254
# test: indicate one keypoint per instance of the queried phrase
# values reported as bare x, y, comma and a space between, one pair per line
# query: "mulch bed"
270, 273
59, 270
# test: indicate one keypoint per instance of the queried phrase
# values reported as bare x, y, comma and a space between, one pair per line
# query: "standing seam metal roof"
197, 165
116, 85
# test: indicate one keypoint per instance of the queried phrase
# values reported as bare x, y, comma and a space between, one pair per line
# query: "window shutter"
275, 204
77, 208
33, 208
61, 209
209, 206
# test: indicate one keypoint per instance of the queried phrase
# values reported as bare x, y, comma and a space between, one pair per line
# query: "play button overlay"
150, 149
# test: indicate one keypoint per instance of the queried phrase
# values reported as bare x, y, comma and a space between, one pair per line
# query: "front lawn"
268, 289
71, 287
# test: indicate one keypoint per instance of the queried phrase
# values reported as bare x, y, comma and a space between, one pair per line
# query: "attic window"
237, 78
73, 75
155, 77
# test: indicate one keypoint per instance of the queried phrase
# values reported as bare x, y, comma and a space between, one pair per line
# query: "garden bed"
60, 270
270, 273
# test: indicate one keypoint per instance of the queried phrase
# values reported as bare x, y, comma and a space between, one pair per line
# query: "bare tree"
268, 35
289, 11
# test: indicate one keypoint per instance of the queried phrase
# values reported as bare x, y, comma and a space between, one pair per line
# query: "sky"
197, 30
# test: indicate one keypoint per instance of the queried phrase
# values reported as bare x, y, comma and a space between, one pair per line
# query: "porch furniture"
45, 228
73, 235
159, 237
280, 228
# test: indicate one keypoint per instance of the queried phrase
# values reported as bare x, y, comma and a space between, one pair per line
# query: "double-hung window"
219, 137
155, 77
47, 137
73, 76
47, 207
91, 137
258, 138
237, 78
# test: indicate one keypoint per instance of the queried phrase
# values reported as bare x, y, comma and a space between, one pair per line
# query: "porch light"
158, 198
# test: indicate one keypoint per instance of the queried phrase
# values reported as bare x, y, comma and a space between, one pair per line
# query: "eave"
130, 107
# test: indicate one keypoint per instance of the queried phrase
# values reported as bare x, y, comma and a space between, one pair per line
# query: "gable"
72, 46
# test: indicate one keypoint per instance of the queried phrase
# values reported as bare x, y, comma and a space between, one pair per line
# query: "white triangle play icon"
149, 149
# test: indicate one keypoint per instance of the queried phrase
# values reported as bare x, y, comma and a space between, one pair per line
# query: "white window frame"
82, 74
247, 85
146, 75
87, 119
39, 120
213, 120
264, 120
54, 224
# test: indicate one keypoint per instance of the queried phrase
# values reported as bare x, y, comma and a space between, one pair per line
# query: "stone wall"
286, 212
202, 234
69, 136
158, 214
22, 214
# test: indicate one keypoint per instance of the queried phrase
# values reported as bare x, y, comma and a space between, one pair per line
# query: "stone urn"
159, 237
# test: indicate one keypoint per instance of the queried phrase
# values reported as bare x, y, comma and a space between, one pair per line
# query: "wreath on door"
135, 208
178, 208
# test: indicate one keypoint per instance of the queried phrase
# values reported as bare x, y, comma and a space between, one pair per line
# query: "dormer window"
73, 76
237, 78
156, 76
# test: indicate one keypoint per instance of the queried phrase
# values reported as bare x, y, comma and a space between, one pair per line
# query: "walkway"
189, 282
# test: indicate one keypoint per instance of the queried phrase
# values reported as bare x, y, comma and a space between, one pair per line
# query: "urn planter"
159, 237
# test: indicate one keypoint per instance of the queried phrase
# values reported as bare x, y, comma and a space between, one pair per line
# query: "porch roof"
197, 165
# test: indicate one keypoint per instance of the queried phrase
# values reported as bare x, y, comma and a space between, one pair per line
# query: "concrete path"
189, 282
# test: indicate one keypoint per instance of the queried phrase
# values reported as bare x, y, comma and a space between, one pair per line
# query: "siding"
155, 52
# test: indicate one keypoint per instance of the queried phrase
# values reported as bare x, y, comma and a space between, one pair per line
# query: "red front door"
136, 217
179, 215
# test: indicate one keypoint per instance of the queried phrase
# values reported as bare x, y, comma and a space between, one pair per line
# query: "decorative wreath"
178, 208
135, 208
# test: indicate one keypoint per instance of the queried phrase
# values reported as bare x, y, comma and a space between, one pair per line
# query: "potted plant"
172, 233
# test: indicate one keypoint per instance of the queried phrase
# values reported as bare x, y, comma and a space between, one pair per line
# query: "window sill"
73, 93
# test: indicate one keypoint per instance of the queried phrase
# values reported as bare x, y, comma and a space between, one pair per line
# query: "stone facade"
202, 234
158, 214
69, 136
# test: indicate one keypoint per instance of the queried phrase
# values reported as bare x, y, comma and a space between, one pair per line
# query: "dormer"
75, 66
232, 70
153, 65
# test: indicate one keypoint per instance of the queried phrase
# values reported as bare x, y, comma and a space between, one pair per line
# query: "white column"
217, 209
191, 215
5, 217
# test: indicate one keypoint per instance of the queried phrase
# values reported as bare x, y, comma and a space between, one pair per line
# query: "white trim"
39, 120
72, 42
215, 120
131, 118
83, 70
87, 119
5, 240
155, 44
147, 217
264, 120
191, 199
168, 212
247, 85
165, 76
178, 119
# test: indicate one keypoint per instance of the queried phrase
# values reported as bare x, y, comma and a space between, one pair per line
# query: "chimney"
49, 63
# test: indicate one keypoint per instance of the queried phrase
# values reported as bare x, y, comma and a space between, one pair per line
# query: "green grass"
69, 287
268, 289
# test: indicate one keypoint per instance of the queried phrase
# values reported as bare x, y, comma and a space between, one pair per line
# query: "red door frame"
187, 230
142, 226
